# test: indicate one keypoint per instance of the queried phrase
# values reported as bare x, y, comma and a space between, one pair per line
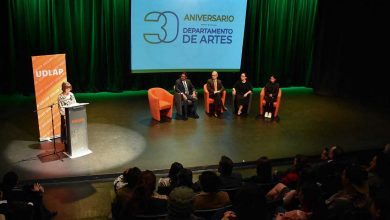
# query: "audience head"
143, 193
147, 181
184, 178
310, 197
226, 165
250, 203
209, 182
131, 176
336, 152
356, 177
10, 180
180, 202
300, 162
264, 169
325, 154
174, 170
386, 150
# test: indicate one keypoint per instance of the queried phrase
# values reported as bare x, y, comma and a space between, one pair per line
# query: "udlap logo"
168, 30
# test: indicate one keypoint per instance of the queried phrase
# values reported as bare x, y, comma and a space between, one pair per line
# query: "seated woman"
144, 200
311, 204
166, 184
242, 90
289, 180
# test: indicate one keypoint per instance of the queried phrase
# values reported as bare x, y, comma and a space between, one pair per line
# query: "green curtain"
95, 36
279, 39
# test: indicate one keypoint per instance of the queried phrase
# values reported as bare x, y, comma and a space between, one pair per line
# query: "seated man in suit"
215, 88
187, 91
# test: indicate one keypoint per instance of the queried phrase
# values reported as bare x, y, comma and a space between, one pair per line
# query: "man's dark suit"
180, 89
217, 96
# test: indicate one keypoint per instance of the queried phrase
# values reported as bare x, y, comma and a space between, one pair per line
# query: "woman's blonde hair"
66, 85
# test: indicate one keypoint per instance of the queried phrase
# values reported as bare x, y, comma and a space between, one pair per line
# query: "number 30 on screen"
167, 32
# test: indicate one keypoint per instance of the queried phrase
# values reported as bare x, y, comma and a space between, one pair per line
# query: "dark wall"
351, 52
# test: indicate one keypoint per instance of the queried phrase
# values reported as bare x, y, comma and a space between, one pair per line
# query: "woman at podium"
66, 98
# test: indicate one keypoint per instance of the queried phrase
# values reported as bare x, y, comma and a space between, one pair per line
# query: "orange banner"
49, 73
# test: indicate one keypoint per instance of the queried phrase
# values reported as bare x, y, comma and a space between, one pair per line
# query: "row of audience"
25, 202
330, 187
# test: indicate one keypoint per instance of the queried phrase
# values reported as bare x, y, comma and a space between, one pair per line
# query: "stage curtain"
95, 36
279, 39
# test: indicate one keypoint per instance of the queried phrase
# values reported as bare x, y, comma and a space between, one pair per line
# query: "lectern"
76, 130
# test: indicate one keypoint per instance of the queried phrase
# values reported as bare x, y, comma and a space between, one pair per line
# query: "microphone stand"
52, 125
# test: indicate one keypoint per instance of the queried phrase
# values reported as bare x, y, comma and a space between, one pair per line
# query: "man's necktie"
185, 88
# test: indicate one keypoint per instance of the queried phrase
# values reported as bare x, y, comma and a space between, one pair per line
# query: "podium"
76, 130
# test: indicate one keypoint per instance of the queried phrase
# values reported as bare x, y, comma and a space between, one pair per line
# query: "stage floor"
122, 134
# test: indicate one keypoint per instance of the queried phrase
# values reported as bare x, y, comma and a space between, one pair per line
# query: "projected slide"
191, 35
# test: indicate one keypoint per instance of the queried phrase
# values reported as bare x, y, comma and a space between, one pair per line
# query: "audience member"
328, 174
129, 175
378, 171
249, 203
210, 197
291, 178
325, 154
311, 204
263, 172
30, 194
16, 210
165, 184
227, 177
143, 199
380, 206
128, 182
180, 204
386, 150
354, 196
185, 178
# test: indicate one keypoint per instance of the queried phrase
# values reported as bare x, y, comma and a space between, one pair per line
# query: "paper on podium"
76, 105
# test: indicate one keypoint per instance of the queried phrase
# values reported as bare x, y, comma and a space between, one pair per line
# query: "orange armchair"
208, 100
276, 104
160, 103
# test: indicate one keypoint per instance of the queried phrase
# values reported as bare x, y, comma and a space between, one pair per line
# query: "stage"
122, 134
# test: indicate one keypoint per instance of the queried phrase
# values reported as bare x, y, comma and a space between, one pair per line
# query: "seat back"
159, 93
151, 216
210, 214
232, 192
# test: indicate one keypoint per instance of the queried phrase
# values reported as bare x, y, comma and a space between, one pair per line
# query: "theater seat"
160, 103
208, 100
276, 104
